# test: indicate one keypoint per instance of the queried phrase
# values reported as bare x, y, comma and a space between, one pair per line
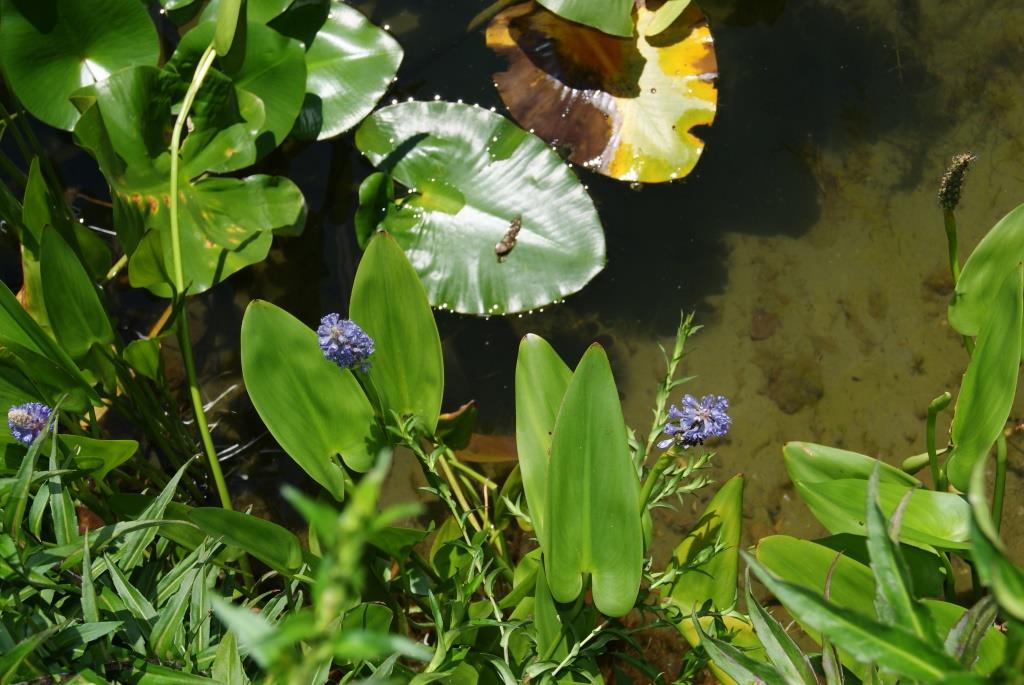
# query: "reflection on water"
808, 239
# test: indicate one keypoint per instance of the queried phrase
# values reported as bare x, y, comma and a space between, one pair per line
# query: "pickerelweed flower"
344, 342
696, 421
27, 421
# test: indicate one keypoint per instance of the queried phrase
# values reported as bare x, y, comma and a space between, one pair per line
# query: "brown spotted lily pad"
624, 107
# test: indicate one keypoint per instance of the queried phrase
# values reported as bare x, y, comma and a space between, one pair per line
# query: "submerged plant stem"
184, 340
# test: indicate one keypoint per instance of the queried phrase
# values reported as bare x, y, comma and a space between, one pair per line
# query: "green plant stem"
938, 475
949, 585
478, 477
664, 461
999, 488
184, 340
116, 268
951, 241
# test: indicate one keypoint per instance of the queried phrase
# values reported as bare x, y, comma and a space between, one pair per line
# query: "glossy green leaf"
895, 603
227, 21
76, 314
376, 193
315, 410
593, 514
864, 637
715, 578
271, 66
226, 223
50, 48
390, 304
550, 634
787, 658
610, 16
541, 380
261, 11
936, 519
134, 601
994, 568
470, 173
349, 66
137, 541
926, 570
810, 463
272, 544
13, 658
735, 663
807, 564
977, 289
143, 355
990, 383
17, 502
227, 664
170, 621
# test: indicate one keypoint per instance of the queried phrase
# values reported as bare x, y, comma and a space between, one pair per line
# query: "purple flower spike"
344, 342
27, 421
696, 421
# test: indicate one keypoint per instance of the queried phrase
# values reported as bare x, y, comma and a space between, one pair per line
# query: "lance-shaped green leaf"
390, 304
272, 544
869, 641
314, 409
76, 314
810, 463
227, 22
541, 380
593, 514
471, 173
784, 653
610, 16
894, 594
51, 48
709, 554
935, 519
977, 289
990, 383
995, 569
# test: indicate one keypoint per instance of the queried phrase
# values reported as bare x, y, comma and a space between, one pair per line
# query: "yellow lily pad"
623, 107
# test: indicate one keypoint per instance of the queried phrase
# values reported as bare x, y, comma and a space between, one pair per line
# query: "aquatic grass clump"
344, 342
696, 421
27, 421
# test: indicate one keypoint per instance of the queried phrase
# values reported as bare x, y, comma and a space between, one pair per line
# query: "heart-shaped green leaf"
593, 510
472, 174
51, 48
990, 383
541, 380
314, 409
389, 303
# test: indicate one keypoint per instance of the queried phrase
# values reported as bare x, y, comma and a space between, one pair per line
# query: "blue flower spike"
696, 421
27, 421
344, 342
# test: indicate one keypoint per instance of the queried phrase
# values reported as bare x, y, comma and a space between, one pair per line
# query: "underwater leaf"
389, 302
76, 314
977, 289
274, 545
623, 107
271, 67
990, 383
713, 579
314, 409
610, 16
349, 66
98, 457
50, 48
593, 512
810, 463
807, 564
931, 519
541, 380
471, 173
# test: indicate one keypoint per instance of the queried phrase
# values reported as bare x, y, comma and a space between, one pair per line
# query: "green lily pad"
349, 66
51, 48
471, 173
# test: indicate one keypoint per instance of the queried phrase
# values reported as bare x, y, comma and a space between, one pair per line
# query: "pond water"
808, 240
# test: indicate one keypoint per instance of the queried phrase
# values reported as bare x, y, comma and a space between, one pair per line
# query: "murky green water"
808, 239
